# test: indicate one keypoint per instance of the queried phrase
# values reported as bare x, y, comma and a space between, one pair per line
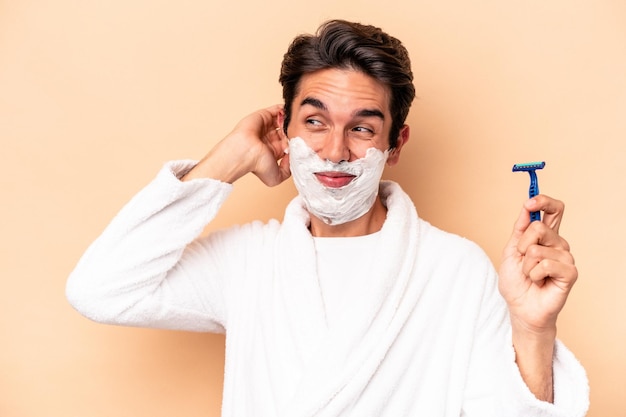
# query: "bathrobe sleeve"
495, 386
142, 270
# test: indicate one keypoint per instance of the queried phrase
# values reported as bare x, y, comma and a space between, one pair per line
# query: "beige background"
96, 95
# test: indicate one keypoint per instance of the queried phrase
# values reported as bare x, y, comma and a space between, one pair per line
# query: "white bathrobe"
428, 336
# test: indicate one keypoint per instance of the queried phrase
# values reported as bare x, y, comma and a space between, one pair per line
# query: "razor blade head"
528, 166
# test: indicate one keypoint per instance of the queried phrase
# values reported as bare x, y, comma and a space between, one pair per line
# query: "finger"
275, 109
277, 142
276, 174
538, 233
520, 226
552, 209
536, 254
563, 275
283, 168
269, 116
272, 113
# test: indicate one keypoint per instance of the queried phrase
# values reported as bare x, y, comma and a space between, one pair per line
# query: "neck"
370, 222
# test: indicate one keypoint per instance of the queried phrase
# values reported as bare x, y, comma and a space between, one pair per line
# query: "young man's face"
342, 113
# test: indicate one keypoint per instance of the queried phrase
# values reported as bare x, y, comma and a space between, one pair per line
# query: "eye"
313, 122
363, 132
363, 129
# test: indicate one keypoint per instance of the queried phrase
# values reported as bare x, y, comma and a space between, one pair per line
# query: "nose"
335, 148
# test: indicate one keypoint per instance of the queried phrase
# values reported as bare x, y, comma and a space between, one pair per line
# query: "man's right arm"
255, 145
125, 276
130, 274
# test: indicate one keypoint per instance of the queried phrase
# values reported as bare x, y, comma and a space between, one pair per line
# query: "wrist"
218, 164
533, 332
534, 350
214, 170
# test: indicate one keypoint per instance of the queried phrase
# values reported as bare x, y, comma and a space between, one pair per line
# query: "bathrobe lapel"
338, 364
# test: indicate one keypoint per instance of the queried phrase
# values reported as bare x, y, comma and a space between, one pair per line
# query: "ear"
280, 118
403, 137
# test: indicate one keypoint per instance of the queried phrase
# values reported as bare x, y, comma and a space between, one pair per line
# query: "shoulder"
255, 231
437, 243
457, 265
263, 233
450, 245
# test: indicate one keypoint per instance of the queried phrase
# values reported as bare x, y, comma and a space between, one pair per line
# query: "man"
352, 305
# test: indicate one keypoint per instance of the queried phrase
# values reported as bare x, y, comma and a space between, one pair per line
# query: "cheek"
313, 141
359, 147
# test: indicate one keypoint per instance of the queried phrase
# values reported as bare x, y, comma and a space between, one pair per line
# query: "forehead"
344, 90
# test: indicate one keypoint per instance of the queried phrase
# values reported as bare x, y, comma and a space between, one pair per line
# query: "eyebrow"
315, 103
370, 113
318, 104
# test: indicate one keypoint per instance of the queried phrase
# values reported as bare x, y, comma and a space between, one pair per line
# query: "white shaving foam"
336, 205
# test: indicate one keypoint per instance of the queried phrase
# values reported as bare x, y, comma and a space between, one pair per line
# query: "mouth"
334, 179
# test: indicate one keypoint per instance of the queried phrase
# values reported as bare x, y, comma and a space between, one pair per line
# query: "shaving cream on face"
336, 205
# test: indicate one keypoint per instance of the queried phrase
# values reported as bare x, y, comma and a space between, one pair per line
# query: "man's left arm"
536, 275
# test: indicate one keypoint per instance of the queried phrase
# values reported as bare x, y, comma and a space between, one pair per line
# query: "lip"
334, 179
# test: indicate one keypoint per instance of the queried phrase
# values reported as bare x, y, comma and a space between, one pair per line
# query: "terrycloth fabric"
428, 337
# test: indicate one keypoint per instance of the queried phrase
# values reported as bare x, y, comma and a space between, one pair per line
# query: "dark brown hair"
348, 45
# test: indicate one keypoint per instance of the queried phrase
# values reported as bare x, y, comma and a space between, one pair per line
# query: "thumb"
284, 168
520, 226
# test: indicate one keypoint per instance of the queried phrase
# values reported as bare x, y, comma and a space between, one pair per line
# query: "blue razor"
533, 190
